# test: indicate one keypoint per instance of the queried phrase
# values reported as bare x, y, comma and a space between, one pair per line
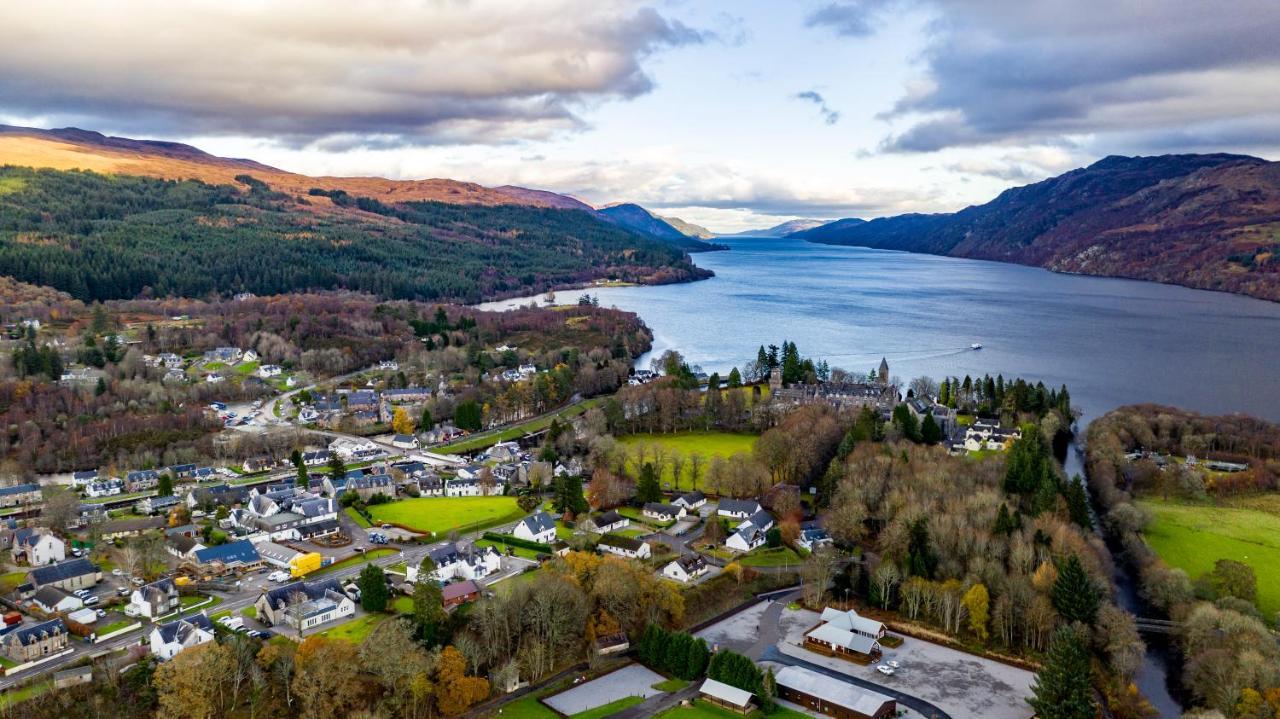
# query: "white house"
812, 536
168, 639
37, 547
686, 568
604, 522
53, 600
745, 539
270, 370
214, 378
691, 501
663, 512
459, 562
154, 600
538, 527
349, 448
846, 634
624, 547
737, 508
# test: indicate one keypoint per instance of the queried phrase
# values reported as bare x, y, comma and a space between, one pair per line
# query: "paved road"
657, 704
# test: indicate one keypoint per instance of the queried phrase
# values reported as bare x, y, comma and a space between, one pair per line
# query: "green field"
708, 444
1193, 536
357, 629
480, 440
704, 710
439, 515
778, 557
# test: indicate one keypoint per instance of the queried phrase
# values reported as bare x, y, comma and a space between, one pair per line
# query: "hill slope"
105, 237
1203, 221
784, 229
688, 229
638, 219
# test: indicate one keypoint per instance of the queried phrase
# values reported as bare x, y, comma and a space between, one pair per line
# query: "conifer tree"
1078, 503
1074, 594
1062, 689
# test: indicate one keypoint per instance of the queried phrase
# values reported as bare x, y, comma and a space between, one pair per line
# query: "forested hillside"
1204, 221
106, 237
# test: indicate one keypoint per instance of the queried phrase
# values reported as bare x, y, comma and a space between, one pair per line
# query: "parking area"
632, 680
958, 682
738, 632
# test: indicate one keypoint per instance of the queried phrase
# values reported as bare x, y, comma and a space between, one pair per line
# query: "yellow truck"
304, 564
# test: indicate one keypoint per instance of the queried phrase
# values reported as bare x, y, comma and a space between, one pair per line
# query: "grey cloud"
399, 74
829, 116
850, 19
1003, 72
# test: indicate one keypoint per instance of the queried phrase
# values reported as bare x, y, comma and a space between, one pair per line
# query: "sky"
731, 114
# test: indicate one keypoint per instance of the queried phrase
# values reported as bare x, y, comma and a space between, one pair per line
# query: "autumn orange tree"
455, 691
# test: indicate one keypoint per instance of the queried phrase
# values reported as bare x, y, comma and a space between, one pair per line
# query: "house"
228, 557
249, 356
170, 638
624, 546
315, 509
368, 485
761, 520
120, 528
19, 494
104, 488
270, 370
354, 449
315, 458
214, 378
155, 599
80, 479
404, 441
253, 465
362, 399
182, 546
727, 696
504, 452
745, 538
690, 501
686, 568
323, 528
71, 574
217, 495
72, 677
609, 521
170, 360
295, 562
52, 600
486, 487
27, 644
832, 697
226, 355
36, 547
540, 528
157, 505
846, 634
179, 471
304, 605
389, 366
458, 593
982, 435
737, 508
406, 394
663, 512
459, 561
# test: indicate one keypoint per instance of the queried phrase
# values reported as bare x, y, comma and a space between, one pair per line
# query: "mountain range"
1206, 221
787, 228
638, 219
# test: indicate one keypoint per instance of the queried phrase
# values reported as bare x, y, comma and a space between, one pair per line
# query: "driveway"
632, 680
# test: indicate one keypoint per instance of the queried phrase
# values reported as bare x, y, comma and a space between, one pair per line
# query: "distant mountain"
786, 228
688, 229
1204, 221
638, 219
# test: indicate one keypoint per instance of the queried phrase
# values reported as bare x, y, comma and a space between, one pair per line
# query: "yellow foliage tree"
978, 602
401, 422
193, 684
455, 691
1045, 577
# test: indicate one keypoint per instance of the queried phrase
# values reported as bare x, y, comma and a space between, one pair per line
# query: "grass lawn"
705, 710
486, 439
637, 515
357, 629
108, 628
708, 444
250, 612
353, 561
563, 532
671, 685
1193, 536
247, 368
439, 515
11, 580
605, 710
357, 517
522, 552
528, 708
17, 696
632, 532
776, 557
402, 605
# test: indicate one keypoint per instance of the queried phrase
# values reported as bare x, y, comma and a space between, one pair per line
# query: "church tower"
884, 371
775, 380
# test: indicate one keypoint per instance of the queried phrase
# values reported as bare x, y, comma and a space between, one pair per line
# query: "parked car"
90, 601
118, 572
82, 593
885, 670
124, 591
101, 613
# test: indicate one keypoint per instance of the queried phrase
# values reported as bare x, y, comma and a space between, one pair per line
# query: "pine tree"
1062, 689
1004, 521
921, 559
930, 432
373, 588
164, 488
337, 468
735, 378
1078, 503
647, 488
1074, 594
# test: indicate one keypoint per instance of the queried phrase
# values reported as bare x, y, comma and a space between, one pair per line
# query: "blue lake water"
1111, 341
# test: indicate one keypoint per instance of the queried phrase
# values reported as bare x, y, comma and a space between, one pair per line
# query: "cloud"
1020, 166
829, 116
1041, 72
384, 74
849, 19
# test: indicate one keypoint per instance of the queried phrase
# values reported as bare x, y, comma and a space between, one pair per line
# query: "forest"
1231, 661
97, 237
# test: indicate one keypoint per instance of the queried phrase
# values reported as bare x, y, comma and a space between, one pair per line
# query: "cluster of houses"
878, 393
93, 484
985, 435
